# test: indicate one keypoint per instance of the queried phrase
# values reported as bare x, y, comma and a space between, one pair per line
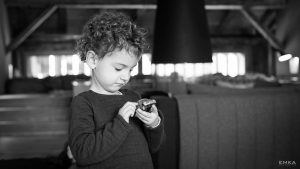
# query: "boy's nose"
125, 77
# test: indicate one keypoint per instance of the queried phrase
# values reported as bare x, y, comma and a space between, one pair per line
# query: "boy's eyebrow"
121, 64
124, 65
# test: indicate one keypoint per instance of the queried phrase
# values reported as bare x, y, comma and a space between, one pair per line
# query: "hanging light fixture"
284, 57
181, 32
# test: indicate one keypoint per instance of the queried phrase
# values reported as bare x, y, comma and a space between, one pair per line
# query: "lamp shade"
181, 32
288, 28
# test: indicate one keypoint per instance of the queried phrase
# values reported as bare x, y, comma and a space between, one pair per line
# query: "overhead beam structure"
30, 29
245, 10
261, 29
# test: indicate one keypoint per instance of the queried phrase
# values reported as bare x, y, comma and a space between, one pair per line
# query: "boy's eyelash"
119, 69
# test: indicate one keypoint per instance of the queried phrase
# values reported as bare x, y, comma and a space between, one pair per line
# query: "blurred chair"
80, 86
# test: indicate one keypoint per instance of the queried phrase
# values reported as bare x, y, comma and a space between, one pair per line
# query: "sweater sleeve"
156, 136
89, 146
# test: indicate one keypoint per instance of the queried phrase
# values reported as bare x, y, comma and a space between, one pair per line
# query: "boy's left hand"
148, 118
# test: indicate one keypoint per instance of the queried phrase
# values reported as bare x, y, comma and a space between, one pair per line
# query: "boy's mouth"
120, 84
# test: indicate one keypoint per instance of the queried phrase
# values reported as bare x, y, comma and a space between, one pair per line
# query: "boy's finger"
153, 108
132, 114
133, 103
142, 118
143, 113
129, 108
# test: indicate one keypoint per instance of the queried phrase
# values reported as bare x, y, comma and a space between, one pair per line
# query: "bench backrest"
33, 125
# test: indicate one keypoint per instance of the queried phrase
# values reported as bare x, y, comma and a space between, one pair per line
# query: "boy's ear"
91, 59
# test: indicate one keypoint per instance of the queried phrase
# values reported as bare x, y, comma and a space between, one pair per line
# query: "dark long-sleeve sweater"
100, 138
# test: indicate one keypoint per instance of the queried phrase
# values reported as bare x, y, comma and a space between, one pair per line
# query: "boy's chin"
114, 90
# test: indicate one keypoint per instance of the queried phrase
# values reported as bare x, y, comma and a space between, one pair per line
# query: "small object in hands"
146, 104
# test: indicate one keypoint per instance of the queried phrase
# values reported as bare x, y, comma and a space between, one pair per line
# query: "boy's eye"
118, 69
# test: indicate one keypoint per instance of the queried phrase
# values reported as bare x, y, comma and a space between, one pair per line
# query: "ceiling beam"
154, 6
208, 2
240, 6
37, 22
108, 6
261, 29
30, 29
61, 2
42, 37
148, 4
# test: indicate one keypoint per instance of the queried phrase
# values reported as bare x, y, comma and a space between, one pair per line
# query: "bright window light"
10, 71
189, 70
222, 63
146, 62
232, 65
160, 69
207, 68
199, 69
241, 63
153, 69
40, 76
179, 68
169, 68
214, 68
75, 64
294, 65
86, 70
52, 65
34, 69
60, 65
64, 66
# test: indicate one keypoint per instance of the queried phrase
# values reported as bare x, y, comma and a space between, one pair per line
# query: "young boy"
107, 130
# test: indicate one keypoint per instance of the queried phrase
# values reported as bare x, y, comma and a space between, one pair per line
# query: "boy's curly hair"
109, 31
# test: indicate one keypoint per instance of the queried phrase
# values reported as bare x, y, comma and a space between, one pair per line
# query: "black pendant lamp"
288, 28
181, 32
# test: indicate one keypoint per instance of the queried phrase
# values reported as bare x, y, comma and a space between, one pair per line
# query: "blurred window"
56, 65
231, 64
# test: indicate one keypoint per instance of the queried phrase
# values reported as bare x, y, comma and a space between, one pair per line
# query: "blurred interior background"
245, 37
249, 44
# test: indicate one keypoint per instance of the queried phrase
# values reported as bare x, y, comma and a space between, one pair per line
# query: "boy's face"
113, 71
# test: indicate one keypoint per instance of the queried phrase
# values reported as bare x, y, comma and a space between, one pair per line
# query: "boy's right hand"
128, 110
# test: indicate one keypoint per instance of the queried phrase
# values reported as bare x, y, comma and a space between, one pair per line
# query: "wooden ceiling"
62, 20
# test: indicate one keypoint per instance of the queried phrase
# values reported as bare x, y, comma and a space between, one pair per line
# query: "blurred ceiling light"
285, 57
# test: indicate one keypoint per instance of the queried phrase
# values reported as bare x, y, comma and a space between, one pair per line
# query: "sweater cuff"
155, 124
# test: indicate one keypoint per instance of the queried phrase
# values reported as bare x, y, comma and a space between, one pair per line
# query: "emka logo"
287, 163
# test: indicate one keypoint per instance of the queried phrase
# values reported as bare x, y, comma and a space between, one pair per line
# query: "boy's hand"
127, 110
151, 118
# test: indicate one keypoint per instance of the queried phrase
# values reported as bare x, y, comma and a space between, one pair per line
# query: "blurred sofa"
46, 85
230, 128
206, 126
